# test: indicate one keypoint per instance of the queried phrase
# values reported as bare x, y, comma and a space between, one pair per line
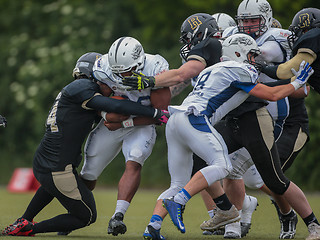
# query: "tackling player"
59, 153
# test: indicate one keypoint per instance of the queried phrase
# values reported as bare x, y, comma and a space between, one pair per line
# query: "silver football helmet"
126, 54
238, 46
253, 9
224, 21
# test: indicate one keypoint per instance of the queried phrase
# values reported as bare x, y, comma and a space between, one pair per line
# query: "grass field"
265, 224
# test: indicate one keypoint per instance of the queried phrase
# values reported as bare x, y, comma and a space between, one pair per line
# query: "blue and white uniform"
219, 89
137, 142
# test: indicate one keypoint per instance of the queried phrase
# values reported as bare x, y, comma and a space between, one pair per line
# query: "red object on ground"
23, 180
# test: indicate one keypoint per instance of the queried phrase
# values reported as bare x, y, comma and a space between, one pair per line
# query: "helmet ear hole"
237, 54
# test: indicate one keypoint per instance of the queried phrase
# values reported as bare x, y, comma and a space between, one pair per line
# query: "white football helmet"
252, 9
224, 21
126, 54
238, 46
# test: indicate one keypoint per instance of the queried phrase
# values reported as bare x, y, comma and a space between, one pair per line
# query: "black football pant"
72, 193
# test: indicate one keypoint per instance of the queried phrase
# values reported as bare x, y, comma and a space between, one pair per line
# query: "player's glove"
162, 115
139, 81
3, 121
303, 74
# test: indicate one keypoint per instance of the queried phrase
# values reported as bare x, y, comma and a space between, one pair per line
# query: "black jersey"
311, 40
67, 125
70, 120
208, 51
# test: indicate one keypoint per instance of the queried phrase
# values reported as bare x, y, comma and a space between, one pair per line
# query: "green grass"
265, 224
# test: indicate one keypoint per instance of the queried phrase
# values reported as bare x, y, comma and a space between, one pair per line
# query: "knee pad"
252, 178
173, 190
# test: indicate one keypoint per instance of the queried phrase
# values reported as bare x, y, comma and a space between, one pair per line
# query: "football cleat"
232, 231
175, 211
314, 230
116, 225
152, 234
288, 226
21, 227
221, 218
246, 214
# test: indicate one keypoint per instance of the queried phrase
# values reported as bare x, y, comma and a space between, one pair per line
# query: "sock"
310, 219
156, 222
122, 206
289, 214
182, 197
223, 202
211, 214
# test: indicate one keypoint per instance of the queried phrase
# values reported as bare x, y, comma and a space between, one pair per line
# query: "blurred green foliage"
41, 41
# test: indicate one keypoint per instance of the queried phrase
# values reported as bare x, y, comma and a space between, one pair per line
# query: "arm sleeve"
126, 107
270, 71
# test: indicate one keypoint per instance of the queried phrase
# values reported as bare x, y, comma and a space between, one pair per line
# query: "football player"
135, 136
255, 18
305, 28
219, 89
59, 153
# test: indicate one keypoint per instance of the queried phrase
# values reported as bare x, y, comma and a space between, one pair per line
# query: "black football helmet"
85, 64
195, 29
303, 21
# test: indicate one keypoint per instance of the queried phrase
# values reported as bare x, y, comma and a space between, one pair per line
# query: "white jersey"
218, 90
154, 65
274, 49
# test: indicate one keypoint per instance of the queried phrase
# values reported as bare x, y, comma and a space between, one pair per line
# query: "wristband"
296, 85
104, 115
127, 123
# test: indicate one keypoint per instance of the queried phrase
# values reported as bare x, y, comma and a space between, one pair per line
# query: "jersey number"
51, 120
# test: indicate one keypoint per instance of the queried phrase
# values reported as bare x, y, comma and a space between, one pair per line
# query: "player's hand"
162, 116
112, 126
139, 81
116, 117
303, 74
3, 121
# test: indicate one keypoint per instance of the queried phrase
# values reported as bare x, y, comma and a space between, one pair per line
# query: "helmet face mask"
85, 64
195, 29
125, 55
254, 17
240, 48
302, 22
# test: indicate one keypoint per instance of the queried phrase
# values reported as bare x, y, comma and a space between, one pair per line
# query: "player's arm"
166, 79
172, 77
283, 71
178, 88
126, 107
160, 99
278, 92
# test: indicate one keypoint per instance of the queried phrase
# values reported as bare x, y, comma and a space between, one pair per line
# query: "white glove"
302, 76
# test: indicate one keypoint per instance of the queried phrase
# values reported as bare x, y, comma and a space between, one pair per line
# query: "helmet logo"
194, 22
241, 40
264, 8
136, 51
304, 20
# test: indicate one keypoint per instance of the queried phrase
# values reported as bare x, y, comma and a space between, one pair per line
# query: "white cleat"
233, 231
250, 204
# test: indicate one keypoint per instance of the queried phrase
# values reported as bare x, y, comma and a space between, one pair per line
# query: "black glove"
139, 81
3, 121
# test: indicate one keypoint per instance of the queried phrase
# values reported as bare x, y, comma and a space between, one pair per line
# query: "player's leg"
270, 170
71, 192
137, 147
180, 168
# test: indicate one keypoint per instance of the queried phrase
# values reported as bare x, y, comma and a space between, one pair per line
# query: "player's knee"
279, 188
137, 155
